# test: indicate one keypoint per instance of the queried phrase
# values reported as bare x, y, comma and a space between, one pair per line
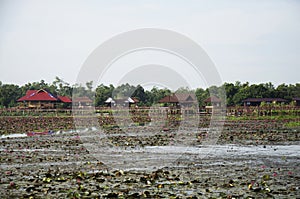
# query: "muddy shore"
252, 159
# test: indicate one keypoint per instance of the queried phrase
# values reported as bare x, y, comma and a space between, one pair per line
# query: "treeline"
235, 92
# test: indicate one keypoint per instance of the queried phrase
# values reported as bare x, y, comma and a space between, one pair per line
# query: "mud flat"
242, 166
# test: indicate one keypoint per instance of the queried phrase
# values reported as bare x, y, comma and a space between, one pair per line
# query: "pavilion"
42, 99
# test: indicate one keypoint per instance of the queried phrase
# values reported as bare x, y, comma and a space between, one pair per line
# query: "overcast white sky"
255, 41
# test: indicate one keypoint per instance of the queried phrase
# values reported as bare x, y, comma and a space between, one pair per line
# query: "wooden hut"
81, 102
182, 99
212, 103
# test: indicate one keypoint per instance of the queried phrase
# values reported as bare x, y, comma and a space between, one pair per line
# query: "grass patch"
292, 124
281, 117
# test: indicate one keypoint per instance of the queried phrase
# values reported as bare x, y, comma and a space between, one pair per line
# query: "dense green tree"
82, 91
230, 90
61, 87
282, 91
124, 90
242, 93
257, 91
295, 90
183, 90
158, 94
287, 91
148, 98
102, 93
140, 94
9, 93
201, 95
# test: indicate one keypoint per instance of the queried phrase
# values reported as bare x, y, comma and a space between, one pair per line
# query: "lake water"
149, 157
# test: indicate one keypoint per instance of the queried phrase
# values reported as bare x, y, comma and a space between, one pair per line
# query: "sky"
249, 41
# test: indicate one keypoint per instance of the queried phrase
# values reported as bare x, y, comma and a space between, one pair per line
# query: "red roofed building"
65, 99
42, 99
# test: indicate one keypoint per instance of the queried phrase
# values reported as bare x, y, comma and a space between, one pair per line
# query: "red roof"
42, 95
29, 92
169, 99
64, 99
178, 97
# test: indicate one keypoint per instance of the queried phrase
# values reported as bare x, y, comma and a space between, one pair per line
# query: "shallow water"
15, 135
150, 157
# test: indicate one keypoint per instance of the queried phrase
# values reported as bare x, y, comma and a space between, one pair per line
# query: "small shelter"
182, 99
42, 99
258, 101
82, 102
211, 103
121, 101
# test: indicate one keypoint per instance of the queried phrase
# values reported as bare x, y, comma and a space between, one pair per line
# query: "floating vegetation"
254, 159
